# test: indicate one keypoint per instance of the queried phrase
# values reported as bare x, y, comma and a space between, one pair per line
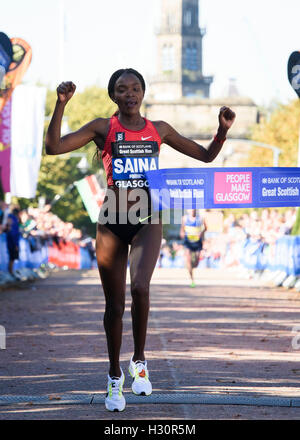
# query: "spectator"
225, 249
12, 237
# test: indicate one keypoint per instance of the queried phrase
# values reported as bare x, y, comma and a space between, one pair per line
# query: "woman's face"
128, 94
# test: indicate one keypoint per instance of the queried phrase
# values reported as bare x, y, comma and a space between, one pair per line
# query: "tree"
281, 129
58, 172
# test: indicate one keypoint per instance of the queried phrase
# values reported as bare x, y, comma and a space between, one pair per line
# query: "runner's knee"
140, 290
113, 310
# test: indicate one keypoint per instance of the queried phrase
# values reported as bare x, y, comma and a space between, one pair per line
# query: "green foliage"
58, 172
281, 130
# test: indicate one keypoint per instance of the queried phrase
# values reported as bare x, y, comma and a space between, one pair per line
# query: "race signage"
6, 54
293, 71
212, 188
21, 59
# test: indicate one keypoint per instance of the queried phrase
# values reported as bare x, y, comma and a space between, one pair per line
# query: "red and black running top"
127, 154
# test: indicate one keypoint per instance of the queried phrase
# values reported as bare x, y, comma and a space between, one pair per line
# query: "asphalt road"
230, 341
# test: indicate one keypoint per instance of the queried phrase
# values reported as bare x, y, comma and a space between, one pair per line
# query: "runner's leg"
112, 257
143, 256
195, 259
188, 260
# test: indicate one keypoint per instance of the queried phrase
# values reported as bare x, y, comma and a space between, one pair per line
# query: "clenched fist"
226, 118
65, 91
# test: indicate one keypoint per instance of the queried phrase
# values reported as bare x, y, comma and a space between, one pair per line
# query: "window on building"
171, 21
191, 56
168, 58
187, 17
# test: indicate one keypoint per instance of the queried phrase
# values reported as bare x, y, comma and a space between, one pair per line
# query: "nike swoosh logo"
145, 138
143, 219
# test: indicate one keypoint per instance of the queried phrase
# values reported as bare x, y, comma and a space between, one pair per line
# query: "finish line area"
174, 398
226, 343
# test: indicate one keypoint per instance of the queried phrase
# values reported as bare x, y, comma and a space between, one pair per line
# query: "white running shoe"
115, 401
139, 372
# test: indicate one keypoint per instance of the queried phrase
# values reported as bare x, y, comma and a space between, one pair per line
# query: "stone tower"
179, 94
179, 53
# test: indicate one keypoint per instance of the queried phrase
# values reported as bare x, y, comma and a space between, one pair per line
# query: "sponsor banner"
6, 54
177, 188
21, 59
92, 195
212, 188
232, 187
134, 148
5, 146
64, 254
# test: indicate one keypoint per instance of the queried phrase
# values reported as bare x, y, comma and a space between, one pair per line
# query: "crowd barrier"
33, 253
178, 262
3, 253
283, 256
255, 255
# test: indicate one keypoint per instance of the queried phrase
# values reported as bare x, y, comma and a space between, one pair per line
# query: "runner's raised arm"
54, 143
191, 148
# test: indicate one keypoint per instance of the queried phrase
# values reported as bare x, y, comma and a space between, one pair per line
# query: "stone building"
179, 53
180, 94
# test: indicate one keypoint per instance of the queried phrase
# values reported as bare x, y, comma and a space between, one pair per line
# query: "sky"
250, 41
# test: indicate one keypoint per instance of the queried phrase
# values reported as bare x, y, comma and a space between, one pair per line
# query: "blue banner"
286, 256
32, 254
213, 188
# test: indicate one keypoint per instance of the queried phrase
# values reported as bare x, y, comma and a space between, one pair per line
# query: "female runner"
129, 144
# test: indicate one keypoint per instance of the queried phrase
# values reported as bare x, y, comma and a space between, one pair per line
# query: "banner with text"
5, 146
211, 188
21, 60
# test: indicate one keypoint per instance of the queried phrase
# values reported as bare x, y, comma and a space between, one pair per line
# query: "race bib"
131, 160
193, 233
